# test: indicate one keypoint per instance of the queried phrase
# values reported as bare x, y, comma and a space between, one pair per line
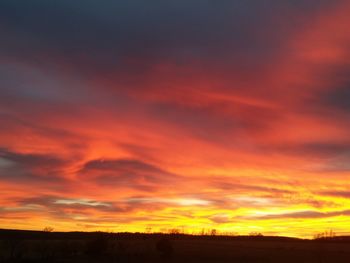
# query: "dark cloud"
325, 149
343, 194
102, 35
126, 173
333, 101
30, 161
38, 168
338, 98
220, 219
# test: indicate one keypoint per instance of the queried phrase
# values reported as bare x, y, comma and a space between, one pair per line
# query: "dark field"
36, 246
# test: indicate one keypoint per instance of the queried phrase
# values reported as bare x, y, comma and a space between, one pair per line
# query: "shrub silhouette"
255, 234
48, 229
324, 235
165, 248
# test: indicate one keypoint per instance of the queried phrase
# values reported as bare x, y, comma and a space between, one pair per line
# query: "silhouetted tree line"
48, 246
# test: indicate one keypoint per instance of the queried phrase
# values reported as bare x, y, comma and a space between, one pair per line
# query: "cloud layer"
193, 114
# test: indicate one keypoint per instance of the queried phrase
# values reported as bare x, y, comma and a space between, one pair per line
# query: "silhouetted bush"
165, 247
48, 229
324, 235
255, 234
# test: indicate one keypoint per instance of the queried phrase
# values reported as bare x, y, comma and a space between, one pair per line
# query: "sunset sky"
189, 114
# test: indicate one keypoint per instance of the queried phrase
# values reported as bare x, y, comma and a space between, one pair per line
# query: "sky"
189, 114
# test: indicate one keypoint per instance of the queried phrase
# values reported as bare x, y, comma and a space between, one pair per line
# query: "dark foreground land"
36, 246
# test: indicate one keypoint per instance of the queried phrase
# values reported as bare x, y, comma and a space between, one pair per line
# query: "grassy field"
36, 246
